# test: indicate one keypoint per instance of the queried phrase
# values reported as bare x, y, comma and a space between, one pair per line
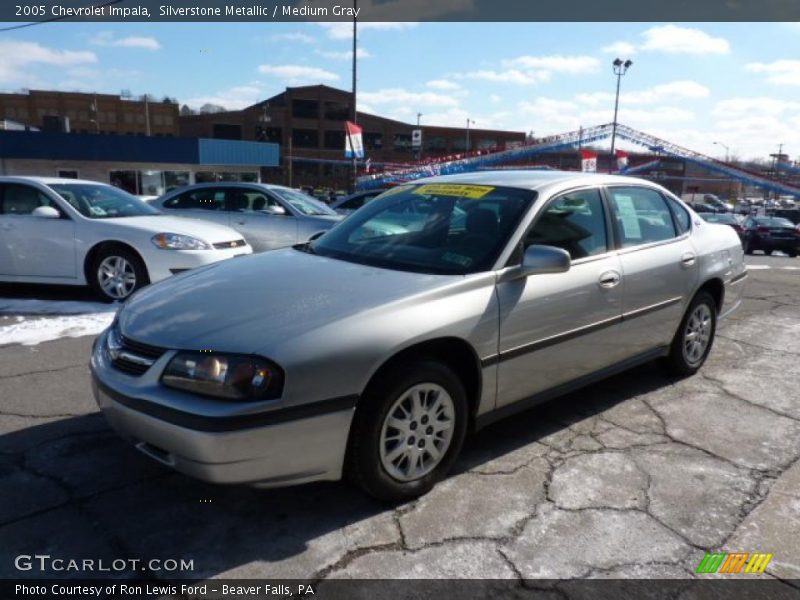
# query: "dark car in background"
770, 234
725, 219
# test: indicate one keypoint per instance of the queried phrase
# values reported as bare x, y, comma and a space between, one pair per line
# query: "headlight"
176, 241
230, 376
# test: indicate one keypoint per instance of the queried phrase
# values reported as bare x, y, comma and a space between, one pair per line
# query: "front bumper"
279, 447
164, 263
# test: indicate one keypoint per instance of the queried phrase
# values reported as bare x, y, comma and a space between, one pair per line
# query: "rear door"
659, 266
554, 328
33, 246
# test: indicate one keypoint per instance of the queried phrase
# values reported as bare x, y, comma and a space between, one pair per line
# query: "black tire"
748, 247
792, 253
768, 252
364, 465
679, 361
137, 269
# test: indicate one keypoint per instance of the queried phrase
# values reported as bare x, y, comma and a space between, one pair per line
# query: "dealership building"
147, 166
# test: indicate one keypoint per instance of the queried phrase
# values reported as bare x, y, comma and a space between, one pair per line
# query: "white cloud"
495, 98
664, 92
344, 55
443, 84
297, 74
683, 40
293, 36
20, 57
779, 72
555, 63
234, 98
733, 108
620, 49
107, 38
402, 97
508, 76
343, 30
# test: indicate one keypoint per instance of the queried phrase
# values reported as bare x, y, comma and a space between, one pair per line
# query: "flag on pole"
622, 160
354, 143
588, 161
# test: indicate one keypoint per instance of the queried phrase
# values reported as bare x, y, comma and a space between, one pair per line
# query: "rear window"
773, 222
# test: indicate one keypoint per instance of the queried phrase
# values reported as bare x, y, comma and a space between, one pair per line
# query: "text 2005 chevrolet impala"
438, 307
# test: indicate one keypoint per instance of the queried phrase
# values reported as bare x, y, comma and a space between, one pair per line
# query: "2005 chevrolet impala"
435, 309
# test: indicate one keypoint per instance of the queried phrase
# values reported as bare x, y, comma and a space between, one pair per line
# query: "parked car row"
765, 233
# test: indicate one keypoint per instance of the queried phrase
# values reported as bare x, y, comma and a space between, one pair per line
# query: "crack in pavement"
56, 370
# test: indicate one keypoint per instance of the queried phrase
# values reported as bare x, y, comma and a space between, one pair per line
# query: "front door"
263, 221
557, 327
34, 246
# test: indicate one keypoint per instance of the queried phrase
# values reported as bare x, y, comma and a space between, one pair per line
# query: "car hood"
209, 232
250, 303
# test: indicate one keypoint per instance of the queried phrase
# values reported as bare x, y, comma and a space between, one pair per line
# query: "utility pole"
146, 116
355, 110
620, 67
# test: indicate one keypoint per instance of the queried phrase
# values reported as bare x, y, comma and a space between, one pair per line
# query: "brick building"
90, 113
308, 123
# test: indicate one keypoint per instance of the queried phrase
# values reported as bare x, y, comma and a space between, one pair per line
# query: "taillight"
762, 231
740, 229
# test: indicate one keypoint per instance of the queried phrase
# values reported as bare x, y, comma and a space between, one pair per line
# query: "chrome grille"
233, 244
133, 357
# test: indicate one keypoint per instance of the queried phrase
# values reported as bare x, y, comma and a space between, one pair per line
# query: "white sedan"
73, 232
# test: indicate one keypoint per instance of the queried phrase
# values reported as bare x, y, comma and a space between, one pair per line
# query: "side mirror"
275, 210
46, 212
544, 259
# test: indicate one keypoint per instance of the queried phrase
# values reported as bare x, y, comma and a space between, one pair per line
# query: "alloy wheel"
697, 334
417, 432
117, 277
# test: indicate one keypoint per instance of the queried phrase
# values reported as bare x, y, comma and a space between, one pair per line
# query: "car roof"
535, 180
45, 180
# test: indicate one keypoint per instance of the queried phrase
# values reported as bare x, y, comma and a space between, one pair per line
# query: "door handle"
609, 279
688, 258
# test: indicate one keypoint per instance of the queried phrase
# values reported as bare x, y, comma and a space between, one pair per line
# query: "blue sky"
736, 83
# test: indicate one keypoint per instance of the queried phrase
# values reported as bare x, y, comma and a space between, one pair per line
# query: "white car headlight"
176, 241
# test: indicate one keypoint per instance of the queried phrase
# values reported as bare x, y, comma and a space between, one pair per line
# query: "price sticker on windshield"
452, 189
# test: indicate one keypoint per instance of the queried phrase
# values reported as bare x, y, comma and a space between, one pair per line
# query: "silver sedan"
373, 350
267, 216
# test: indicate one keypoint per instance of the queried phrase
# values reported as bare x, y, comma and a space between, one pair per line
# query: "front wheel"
748, 247
695, 336
116, 273
407, 431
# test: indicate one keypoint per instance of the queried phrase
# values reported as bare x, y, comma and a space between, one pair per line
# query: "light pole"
727, 158
620, 68
419, 148
727, 150
466, 145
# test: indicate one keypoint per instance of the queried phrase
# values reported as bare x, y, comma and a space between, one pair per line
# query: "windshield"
102, 201
429, 228
303, 203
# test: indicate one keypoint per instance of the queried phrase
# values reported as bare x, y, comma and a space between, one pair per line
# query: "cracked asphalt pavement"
637, 476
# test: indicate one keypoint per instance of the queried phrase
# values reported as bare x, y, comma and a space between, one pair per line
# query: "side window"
682, 217
204, 199
355, 203
642, 215
575, 222
22, 199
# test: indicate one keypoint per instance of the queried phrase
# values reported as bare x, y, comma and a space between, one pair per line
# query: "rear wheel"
116, 273
768, 252
792, 253
407, 431
695, 336
748, 247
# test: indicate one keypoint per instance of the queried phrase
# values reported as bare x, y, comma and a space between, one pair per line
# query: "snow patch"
32, 306
30, 332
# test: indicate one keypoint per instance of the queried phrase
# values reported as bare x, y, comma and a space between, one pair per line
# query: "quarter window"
642, 216
682, 217
574, 222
